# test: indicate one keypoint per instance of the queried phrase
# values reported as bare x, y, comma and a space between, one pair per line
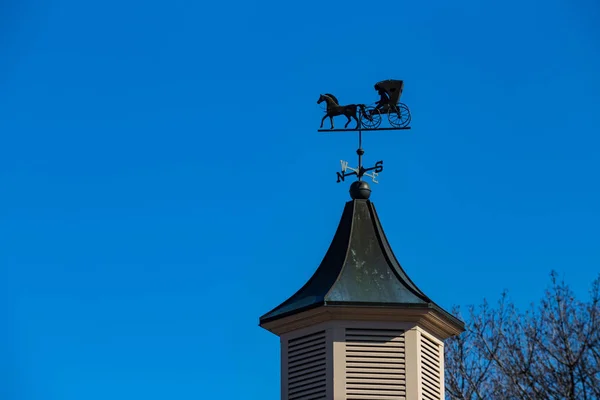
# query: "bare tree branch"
551, 351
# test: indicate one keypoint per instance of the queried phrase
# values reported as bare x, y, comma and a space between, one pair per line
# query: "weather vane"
368, 118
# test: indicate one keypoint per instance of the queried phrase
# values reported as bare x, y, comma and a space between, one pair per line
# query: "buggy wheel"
399, 116
370, 120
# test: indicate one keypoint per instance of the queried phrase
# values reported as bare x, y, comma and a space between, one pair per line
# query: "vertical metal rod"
360, 139
360, 153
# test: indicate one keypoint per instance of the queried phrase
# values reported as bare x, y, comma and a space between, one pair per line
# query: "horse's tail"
363, 109
364, 112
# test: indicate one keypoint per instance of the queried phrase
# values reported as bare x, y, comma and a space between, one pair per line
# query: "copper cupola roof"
359, 269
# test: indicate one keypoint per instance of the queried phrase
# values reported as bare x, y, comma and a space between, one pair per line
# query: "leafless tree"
551, 351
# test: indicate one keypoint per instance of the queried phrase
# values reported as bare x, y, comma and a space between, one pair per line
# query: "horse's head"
329, 98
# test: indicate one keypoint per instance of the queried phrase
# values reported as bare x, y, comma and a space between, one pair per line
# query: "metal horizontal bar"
364, 129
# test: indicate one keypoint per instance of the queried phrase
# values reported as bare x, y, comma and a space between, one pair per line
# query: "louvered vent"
430, 361
306, 367
375, 368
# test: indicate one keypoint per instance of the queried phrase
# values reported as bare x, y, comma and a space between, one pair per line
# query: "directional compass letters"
360, 171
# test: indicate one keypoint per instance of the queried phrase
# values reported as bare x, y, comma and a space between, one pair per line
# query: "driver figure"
384, 98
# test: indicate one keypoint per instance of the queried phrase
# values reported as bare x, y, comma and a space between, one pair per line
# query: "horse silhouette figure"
334, 109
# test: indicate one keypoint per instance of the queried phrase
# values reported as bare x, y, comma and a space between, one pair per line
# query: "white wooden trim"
339, 363
412, 340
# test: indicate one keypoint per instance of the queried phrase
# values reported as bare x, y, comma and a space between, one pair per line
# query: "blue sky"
162, 183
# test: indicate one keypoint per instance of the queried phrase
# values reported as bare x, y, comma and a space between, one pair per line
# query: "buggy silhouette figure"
389, 103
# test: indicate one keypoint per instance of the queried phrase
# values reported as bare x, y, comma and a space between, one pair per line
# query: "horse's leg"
331, 119
356, 112
323, 120
356, 119
350, 113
